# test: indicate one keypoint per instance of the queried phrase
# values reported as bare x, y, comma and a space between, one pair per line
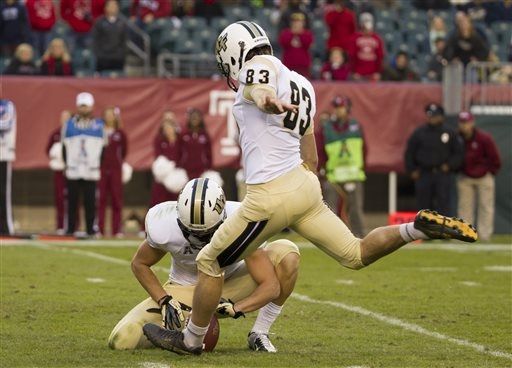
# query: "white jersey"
271, 143
164, 233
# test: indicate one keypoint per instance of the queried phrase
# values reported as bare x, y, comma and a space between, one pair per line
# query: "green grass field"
429, 305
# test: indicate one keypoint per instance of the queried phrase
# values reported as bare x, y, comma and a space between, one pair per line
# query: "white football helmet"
233, 45
201, 208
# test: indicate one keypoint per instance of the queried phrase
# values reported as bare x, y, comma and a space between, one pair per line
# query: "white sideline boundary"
460, 248
304, 298
404, 325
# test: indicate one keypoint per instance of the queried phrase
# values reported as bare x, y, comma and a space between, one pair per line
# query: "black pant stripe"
235, 249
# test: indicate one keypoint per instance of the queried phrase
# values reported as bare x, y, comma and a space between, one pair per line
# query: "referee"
433, 153
83, 138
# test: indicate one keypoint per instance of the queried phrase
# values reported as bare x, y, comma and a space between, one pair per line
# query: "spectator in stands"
341, 22
80, 16
476, 180
498, 11
54, 152
434, 152
56, 60
466, 44
110, 184
436, 64
14, 28
196, 150
167, 143
432, 4
437, 30
399, 69
109, 39
296, 42
208, 9
146, 11
292, 7
336, 68
366, 51
345, 152
41, 14
23, 62
83, 138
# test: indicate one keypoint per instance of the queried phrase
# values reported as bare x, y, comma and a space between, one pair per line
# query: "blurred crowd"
355, 49
88, 154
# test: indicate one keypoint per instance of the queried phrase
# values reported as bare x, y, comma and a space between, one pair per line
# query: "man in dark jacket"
433, 153
481, 164
109, 39
14, 27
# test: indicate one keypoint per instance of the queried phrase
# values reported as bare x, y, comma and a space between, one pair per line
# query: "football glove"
172, 314
226, 308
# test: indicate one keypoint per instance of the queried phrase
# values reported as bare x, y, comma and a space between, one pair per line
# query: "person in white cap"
83, 138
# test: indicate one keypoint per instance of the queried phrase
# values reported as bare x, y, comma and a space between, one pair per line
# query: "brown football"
212, 335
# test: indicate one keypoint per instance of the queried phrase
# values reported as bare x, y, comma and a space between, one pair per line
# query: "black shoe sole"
437, 226
152, 332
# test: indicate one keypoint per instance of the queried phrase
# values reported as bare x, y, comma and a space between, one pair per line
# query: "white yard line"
95, 280
470, 283
460, 248
85, 253
500, 268
405, 325
154, 365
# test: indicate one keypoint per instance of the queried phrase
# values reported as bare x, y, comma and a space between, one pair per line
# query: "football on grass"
212, 335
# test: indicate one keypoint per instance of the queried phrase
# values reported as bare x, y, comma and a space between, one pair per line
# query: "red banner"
389, 112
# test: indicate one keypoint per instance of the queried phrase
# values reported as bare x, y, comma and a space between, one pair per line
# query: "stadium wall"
389, 112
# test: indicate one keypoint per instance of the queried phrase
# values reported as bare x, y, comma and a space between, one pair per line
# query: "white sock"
409, 233
266, 317
193, 335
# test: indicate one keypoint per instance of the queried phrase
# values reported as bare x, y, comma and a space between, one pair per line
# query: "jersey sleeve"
259, 70
156, 234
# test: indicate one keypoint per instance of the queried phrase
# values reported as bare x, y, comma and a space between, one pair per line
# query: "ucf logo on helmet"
219, 204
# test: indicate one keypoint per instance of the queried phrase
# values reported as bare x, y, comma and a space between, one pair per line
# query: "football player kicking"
265, 280
274, 109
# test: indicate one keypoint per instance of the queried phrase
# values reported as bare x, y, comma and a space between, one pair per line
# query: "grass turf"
52, 315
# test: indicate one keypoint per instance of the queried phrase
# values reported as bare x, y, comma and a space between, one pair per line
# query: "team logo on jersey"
219, 204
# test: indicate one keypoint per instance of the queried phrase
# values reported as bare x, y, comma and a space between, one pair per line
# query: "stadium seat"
503, 32
185, 46
84, 62
192, 24
217, 24
156, 30
169, 39
234, 13
205, 40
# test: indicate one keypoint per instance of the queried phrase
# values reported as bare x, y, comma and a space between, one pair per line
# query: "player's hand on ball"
226, 308
172, 315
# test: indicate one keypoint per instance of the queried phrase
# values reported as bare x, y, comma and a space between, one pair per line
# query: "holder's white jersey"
163, 232
271, 143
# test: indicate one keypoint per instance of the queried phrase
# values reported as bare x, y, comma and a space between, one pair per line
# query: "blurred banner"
389, 112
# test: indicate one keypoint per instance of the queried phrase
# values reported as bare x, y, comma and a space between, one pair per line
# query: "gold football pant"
292, 200
128, 332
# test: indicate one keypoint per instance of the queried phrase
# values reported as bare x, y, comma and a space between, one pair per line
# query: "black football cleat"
437, 226
170, 340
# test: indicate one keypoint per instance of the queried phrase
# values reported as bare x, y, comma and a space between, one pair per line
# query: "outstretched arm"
145, 257
266, 100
